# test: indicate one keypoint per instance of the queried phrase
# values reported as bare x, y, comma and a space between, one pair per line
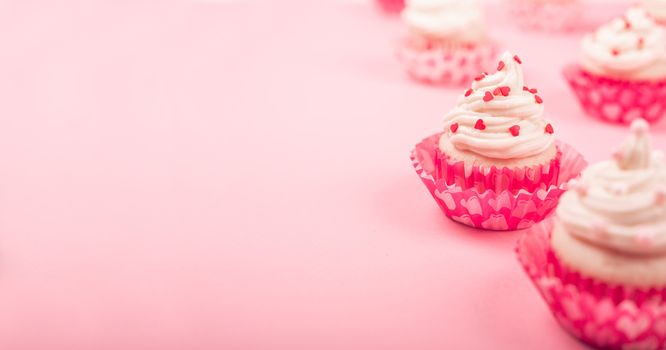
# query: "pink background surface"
183, 175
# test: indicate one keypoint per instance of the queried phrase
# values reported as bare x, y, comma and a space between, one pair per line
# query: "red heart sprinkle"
497, 91
515, 130
549, 129
534, 91
615, 52
479, 77
468, 92
479, 125
538, 99
505, 90
517, 59
500, 66
454, 127
488, 97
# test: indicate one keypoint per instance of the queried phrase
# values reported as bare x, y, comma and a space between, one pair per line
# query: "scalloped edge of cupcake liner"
504, 211
617, 101
446, 65
603, 315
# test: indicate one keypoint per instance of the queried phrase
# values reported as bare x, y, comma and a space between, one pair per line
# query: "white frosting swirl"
519, 108
621, 204
454, 19
632, 47
655, 8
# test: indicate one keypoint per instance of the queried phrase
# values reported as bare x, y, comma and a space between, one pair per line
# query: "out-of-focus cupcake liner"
600, 314
391, 6
617, 101
455, 65
506, 210
546, 16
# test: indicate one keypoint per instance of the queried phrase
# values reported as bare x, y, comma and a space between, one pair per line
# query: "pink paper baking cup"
454, 172
617, 101
505, 210
446, 65
602, 315
546, 16
391, 6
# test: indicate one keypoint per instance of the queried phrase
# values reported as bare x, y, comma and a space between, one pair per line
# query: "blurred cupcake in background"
656, 9
497, 165
601, 263
391, 6
622, 73
447, 41
546, 15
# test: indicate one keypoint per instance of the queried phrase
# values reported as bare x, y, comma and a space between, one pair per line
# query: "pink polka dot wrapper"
455, 65
602, 315
494, 199
617, 101
546, 16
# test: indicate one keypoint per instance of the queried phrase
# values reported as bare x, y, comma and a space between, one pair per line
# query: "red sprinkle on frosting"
515, 130
480, 77
488, 97
497, 91
615, 52
538, 99
534, 91
517, 59
454, 127
468, 92
480, 125
500, 66
505, 90
627, 24
549, 129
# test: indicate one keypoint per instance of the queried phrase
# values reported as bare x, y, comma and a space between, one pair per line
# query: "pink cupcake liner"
546, 16
617, 101
600, 314
505, 210
454, 172
391, 6
446, 65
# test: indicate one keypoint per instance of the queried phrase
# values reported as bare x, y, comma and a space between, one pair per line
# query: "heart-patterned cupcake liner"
529, 179
455, 65
511, 208
603, 315
553, 16
617, 101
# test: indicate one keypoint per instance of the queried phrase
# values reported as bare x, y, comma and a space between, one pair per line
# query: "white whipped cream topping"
655, 8
632, 47
518, 108
621, 204
459, 20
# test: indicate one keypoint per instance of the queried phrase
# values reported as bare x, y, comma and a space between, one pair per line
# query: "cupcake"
656, 9
546, 15
600, 264
391, 6
622, 73
497, 165
446, 41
